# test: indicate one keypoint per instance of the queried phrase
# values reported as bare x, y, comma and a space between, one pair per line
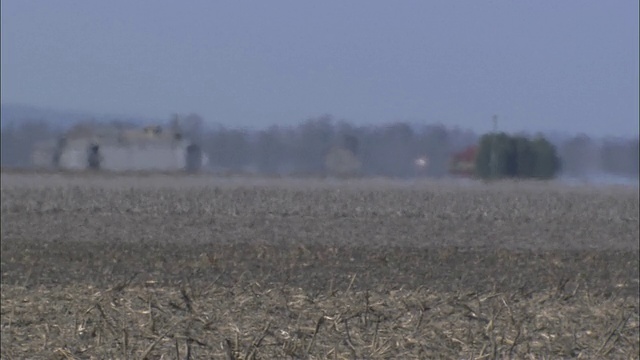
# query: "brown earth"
97, 267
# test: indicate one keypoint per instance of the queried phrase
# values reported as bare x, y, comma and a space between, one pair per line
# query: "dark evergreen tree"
547, 162
525, 157
503, 156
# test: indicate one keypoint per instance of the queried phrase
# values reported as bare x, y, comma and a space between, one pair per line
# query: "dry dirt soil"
166, 267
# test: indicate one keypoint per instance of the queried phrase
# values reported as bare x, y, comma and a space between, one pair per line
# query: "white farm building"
108, 148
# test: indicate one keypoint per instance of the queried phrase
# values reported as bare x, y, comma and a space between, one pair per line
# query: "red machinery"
464, 163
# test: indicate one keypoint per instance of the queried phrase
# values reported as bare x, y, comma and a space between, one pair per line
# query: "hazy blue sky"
540, 65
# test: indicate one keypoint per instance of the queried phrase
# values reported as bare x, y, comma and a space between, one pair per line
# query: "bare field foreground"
166, 267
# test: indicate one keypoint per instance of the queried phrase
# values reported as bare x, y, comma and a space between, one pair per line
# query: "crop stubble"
132, 267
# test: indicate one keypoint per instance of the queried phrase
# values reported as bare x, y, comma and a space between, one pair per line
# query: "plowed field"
165, 267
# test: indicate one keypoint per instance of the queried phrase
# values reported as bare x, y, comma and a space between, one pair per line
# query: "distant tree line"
18, 141
384, 150
381, 150
583, 157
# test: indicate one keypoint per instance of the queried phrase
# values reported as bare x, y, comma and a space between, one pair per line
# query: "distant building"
110, 148
342, 162
464, 163
43, 154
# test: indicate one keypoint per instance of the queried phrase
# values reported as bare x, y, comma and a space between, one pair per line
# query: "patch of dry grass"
273, 321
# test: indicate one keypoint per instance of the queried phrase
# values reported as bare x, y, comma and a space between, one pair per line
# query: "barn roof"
112, 135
